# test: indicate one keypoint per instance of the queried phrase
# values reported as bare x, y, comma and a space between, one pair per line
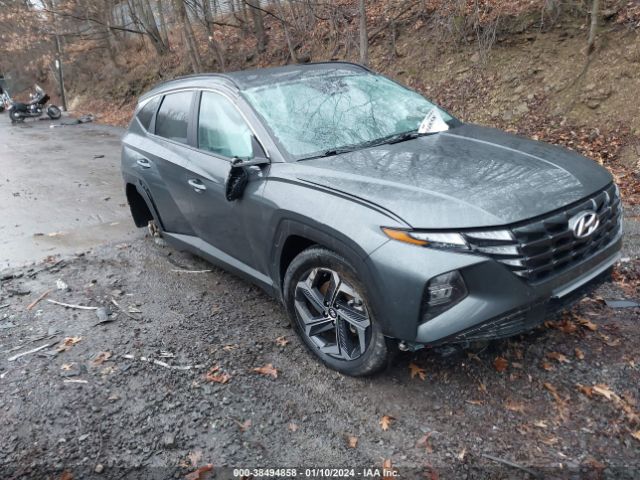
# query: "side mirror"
239, 175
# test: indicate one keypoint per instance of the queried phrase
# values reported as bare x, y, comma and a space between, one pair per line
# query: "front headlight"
428, 239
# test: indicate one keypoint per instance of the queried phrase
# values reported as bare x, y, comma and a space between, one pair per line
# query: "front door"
223, 134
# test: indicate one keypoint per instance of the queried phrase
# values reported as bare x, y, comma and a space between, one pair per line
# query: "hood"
467, 177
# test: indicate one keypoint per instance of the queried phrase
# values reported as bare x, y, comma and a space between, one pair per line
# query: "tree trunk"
364, 39
591, 43
188, 36
258, 24
287, 36
163, 23
214, 46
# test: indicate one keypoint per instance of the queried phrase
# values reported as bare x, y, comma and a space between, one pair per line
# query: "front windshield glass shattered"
316, 114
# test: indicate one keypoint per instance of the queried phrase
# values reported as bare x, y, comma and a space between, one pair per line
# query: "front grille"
508, 325
547, 246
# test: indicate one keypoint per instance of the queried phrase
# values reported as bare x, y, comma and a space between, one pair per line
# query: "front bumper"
499, 304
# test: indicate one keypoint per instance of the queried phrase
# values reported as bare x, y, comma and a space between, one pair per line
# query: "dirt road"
121, 390
59, 189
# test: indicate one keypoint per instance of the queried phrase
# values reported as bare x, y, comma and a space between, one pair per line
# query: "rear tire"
329, 309
54, 112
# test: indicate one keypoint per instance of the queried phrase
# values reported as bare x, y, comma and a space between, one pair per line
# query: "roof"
245, 79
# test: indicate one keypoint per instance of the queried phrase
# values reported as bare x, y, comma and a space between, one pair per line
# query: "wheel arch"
294, 236
141, 204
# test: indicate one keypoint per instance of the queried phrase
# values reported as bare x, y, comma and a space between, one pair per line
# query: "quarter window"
221, 128
145, 115
172, 121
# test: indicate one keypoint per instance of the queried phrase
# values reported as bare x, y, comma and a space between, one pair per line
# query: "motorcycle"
5, 100
19, 111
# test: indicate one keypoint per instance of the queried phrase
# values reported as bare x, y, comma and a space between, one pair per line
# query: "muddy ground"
73, 408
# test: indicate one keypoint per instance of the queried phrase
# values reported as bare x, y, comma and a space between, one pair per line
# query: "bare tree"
364, 38
593, 30
258, 24
188, 36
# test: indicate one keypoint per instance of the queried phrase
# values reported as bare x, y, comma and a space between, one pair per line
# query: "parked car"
376, 218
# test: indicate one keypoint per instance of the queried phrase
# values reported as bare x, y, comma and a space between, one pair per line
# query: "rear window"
145, 115
172, 120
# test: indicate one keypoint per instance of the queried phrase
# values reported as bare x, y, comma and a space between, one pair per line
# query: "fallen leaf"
605, 391
66, 475
500, 364
417, 371
101, 358
514, 406
588, 391
67, 366
550, 441
636, 435
385, 422
352, 441
282, 341
474, 402
540, 424
216, 375
267, 370
292, 427
229, 348
244, 426
558, 357
579, 354
589, 325
547, 366
199, 474
68, 342
388, 472
462, 454
567, 326
424, 442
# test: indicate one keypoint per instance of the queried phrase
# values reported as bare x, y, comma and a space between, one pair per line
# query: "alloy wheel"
332, 314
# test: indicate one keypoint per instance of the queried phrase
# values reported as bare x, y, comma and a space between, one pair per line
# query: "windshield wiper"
388, 140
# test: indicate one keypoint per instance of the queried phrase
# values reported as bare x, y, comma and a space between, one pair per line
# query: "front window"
221, 129
316, 114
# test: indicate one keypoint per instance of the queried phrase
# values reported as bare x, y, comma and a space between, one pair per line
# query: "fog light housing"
442, 293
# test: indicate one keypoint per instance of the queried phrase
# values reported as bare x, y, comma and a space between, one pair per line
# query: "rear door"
223, 133
166, 160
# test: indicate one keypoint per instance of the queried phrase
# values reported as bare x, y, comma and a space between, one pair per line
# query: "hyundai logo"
584, 224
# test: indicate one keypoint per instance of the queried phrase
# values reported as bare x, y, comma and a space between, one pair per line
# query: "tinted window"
173, 117
146, 113
221, 128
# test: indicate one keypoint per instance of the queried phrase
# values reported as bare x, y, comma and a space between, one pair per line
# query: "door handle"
144, 163
197, 185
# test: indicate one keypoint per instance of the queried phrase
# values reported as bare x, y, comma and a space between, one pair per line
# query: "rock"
103, 314
475, 58
521, 109
593, 104
99, 468
169, 440
590, 87
630, 156
506, 116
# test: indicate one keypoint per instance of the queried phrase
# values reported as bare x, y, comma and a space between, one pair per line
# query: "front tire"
15, 116
54, 112
329, 309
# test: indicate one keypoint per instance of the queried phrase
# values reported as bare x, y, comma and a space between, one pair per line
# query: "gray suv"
376, 218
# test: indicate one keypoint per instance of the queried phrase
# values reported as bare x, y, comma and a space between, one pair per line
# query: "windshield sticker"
433, 123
